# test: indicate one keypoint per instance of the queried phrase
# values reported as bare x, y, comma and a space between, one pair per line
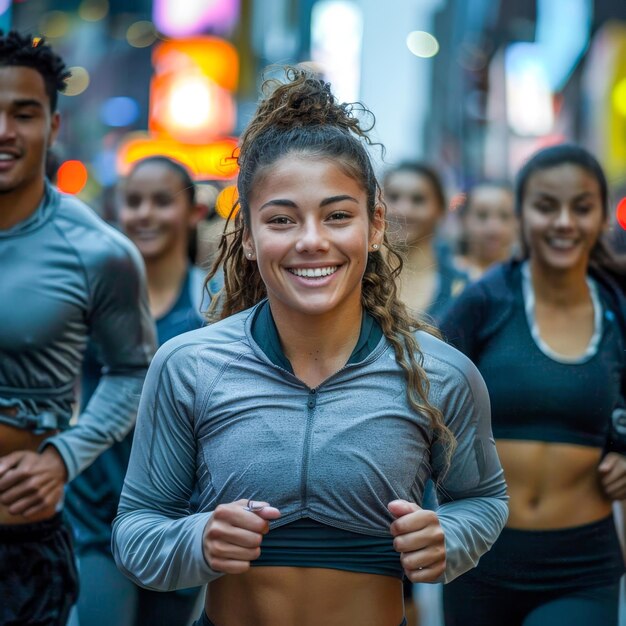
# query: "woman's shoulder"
219, 341
440, 355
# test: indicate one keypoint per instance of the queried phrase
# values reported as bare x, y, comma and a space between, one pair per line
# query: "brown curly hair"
301, 116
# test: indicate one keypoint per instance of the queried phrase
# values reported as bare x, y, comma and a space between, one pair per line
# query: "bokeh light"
54, 24
141, 34
72, 177
77, 82
422, 44
621, 213
225, 202
93, 10
619, 97
119, 111
180, 18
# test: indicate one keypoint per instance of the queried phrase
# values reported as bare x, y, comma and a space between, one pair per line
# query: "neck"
318, 345
165, 276
558, 288
19, 204
420, 257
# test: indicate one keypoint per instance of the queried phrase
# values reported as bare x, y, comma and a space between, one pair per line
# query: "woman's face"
310, 235
562, 216
413, 209
156, 213
489, 224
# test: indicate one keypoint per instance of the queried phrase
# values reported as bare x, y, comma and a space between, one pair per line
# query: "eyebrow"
323, 203
547, 196
28, 103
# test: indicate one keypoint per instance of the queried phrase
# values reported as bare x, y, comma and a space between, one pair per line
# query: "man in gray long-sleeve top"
64, 276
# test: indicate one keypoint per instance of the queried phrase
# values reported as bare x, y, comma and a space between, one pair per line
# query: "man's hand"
419, 538
32, 482
233, 535
613, 475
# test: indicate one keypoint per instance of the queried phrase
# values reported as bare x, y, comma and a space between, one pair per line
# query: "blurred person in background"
66, 277
548, 334
416, 207
303, 417
159, 213
489, 227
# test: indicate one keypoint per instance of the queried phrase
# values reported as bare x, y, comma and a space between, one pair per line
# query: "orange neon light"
211, 161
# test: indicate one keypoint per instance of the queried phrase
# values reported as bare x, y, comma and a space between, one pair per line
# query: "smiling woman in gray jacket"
308, 420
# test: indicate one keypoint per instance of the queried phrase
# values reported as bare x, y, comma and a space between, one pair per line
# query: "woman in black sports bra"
547, 334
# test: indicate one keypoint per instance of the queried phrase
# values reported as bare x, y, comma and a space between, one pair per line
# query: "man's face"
27, 128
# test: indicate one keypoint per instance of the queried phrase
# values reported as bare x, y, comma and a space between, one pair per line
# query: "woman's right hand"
233, 535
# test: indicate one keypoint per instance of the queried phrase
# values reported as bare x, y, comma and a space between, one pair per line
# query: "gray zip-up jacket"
66, 276
218, 415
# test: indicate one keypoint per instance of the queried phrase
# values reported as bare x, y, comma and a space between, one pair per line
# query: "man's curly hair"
17, 50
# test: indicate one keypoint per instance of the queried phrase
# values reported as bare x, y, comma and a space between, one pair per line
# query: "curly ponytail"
301, 116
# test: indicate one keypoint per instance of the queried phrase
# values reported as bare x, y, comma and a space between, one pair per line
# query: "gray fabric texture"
217, 414
67, 275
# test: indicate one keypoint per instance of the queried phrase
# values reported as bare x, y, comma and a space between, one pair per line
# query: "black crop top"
538, 398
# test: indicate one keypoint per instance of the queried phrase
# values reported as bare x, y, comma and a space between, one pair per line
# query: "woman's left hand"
419, 538
613, 475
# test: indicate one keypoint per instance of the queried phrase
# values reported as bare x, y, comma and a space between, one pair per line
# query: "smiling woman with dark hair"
548, 334
309, 418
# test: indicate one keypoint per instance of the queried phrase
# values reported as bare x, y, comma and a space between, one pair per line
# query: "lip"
9, 163
313, 282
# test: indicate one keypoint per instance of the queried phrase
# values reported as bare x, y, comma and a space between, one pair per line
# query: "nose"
564, 217
312, 237
144, 209
7, 129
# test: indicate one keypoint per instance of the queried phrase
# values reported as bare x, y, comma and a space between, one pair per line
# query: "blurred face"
310, 235
413, 210
27, 128
490, 224
156, 213
562, 217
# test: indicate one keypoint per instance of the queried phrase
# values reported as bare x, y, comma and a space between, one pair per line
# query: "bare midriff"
307, 596
13, 439
552, 485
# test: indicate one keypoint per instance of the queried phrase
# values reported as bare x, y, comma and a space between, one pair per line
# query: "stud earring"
375, 246
249, 255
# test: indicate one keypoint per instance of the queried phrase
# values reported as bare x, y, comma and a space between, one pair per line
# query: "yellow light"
189, 107
93, 10
189, 104
422, 44
227, 202
77, 82
54, 24
210, 161
619, 97
141, 34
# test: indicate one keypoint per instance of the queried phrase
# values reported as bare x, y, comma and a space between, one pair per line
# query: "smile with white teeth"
313, 272
6, 157
558, 242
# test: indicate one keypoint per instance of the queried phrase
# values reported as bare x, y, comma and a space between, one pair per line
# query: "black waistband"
205, 621
34, 531
568, 558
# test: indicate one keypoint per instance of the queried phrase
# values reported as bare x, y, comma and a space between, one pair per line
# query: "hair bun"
302, 98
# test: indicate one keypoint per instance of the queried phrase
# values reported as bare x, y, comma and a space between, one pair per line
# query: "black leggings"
38, 579
205, 621
482, 605
567, 577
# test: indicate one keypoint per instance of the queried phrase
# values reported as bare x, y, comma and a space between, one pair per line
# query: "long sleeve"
156, 541
121, 326
470, 487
